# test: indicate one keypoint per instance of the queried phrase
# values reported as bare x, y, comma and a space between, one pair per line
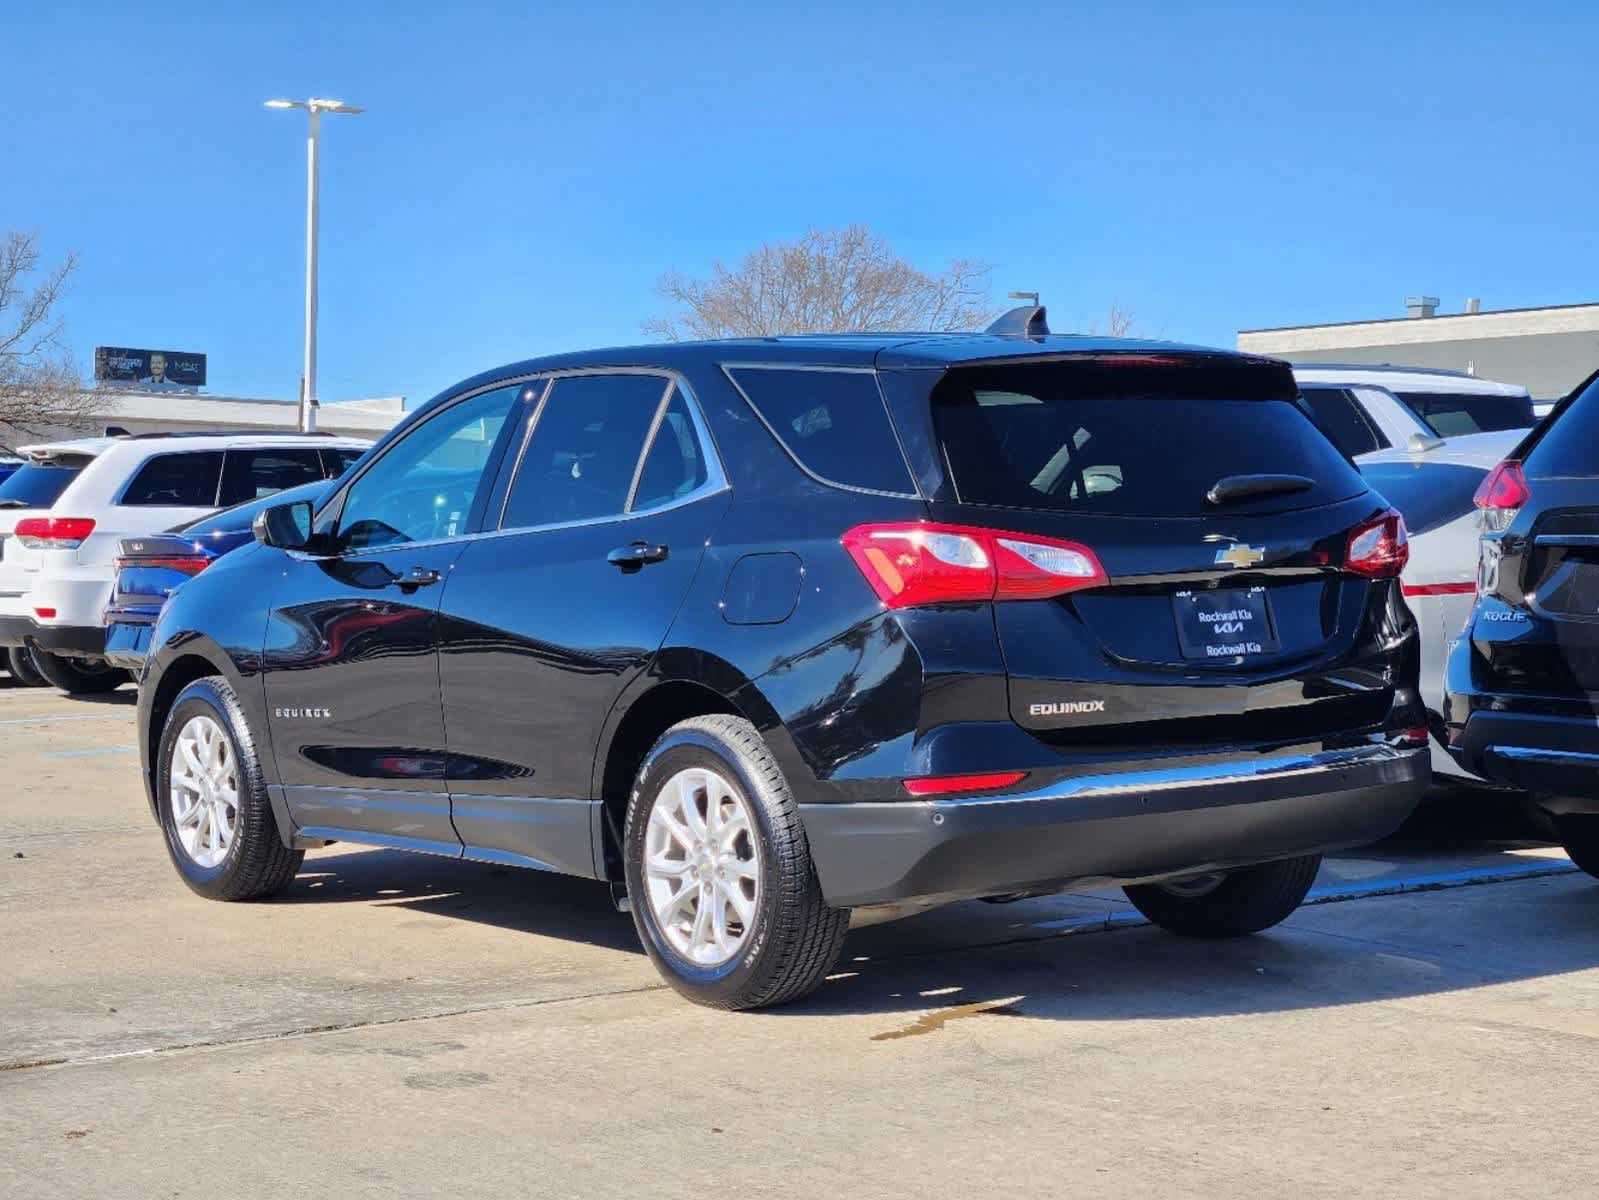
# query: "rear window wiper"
13, 503
1232, 488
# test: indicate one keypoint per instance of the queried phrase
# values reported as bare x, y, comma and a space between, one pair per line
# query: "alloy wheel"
204, 791
702, 866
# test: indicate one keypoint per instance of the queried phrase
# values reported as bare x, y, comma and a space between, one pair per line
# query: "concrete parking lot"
404, 1025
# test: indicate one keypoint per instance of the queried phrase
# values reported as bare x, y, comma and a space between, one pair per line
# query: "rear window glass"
1339, 415
1428, 495
36, 485
1569, 446
1126, 440
1452, 414
176, 481
832, 422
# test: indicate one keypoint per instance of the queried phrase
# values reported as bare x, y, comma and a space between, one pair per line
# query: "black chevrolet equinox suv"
776, 631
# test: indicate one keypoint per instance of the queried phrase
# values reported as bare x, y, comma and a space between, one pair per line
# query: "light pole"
314, 108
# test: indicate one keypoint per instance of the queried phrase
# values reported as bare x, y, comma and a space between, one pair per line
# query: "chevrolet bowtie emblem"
1240, 555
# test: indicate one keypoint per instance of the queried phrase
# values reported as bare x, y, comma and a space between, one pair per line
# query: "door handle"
417, 577
632, 557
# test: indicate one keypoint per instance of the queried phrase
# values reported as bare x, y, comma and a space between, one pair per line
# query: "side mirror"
286, 526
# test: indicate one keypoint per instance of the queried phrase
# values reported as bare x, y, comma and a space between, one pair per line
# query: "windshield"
1452, 414
37, 485
1126, 441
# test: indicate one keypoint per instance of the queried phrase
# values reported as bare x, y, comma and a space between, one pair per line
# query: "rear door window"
584, 448
1127, 440
176, 481
1452, 413
250, 474
37, 485
833, 423
675, 463
1342, 418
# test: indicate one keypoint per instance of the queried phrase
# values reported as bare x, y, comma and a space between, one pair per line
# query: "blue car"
150, 568
10, 463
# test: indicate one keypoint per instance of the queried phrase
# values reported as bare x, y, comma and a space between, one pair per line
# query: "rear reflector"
45, 614
1416, 735
1467, 588
1380, 548
918, 562
946, 785
188, 565
53, 533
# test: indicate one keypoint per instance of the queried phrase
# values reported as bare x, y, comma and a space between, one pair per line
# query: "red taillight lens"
1501, 495
913, 563
946, 785
53, 533
1380, 548
187, 565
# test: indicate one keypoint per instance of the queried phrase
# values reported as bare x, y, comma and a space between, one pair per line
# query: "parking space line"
94, 752
44, 720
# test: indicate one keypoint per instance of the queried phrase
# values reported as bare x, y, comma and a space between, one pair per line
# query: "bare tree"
1118, 321
39, 387
828, 281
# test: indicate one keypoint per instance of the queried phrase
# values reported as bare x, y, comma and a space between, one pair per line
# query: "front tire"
220, 830
1229, 904
1579, 835
719, 872
79, 676
19, 661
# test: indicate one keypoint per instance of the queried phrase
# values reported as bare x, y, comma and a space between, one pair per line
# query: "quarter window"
832, 422
1340, 416
176, 481
584, 447
424, 487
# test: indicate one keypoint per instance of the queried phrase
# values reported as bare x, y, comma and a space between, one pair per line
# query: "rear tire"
79, 676
247, 858
772, 941
24, 671
1245, 900
1580, 837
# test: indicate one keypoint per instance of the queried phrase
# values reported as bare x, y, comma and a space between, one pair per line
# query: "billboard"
166, 370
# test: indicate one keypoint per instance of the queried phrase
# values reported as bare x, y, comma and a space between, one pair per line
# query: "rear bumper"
1112, 829
128, 642
74, 641
1554, 757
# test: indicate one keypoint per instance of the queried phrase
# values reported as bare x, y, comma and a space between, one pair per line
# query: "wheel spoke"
702, 920
191, 758
672, 868
742, 904
688, 804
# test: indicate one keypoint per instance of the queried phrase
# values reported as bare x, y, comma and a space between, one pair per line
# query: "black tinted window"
37, 485
1340, 416
249, 474
1428, 495
1123, 440
581, 455
177, 481
339, 460
1451, 414
1569, 446
833, 422
675, 465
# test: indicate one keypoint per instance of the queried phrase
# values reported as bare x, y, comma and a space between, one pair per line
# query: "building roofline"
1426, 321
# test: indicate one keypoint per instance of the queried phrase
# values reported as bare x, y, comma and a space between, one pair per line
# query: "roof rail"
187, 433
1026, 320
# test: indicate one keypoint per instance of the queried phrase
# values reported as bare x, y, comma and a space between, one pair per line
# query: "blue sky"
526, 172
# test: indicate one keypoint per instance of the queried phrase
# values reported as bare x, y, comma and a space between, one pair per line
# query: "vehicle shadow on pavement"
524, 901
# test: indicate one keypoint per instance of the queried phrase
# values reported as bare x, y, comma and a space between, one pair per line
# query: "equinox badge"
1241, 555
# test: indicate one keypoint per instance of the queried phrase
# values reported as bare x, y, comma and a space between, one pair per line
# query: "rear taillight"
53, 533
949, 785
187, 565
1380, 548
913, 563
1501, 495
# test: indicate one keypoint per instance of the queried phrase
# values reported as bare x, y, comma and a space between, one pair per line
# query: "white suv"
1365, 409
63, 513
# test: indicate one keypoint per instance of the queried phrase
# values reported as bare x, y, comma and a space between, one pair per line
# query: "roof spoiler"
1027, 320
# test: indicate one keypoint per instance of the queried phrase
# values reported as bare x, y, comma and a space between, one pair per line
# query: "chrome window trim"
649, 444
715, 475
729, 367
